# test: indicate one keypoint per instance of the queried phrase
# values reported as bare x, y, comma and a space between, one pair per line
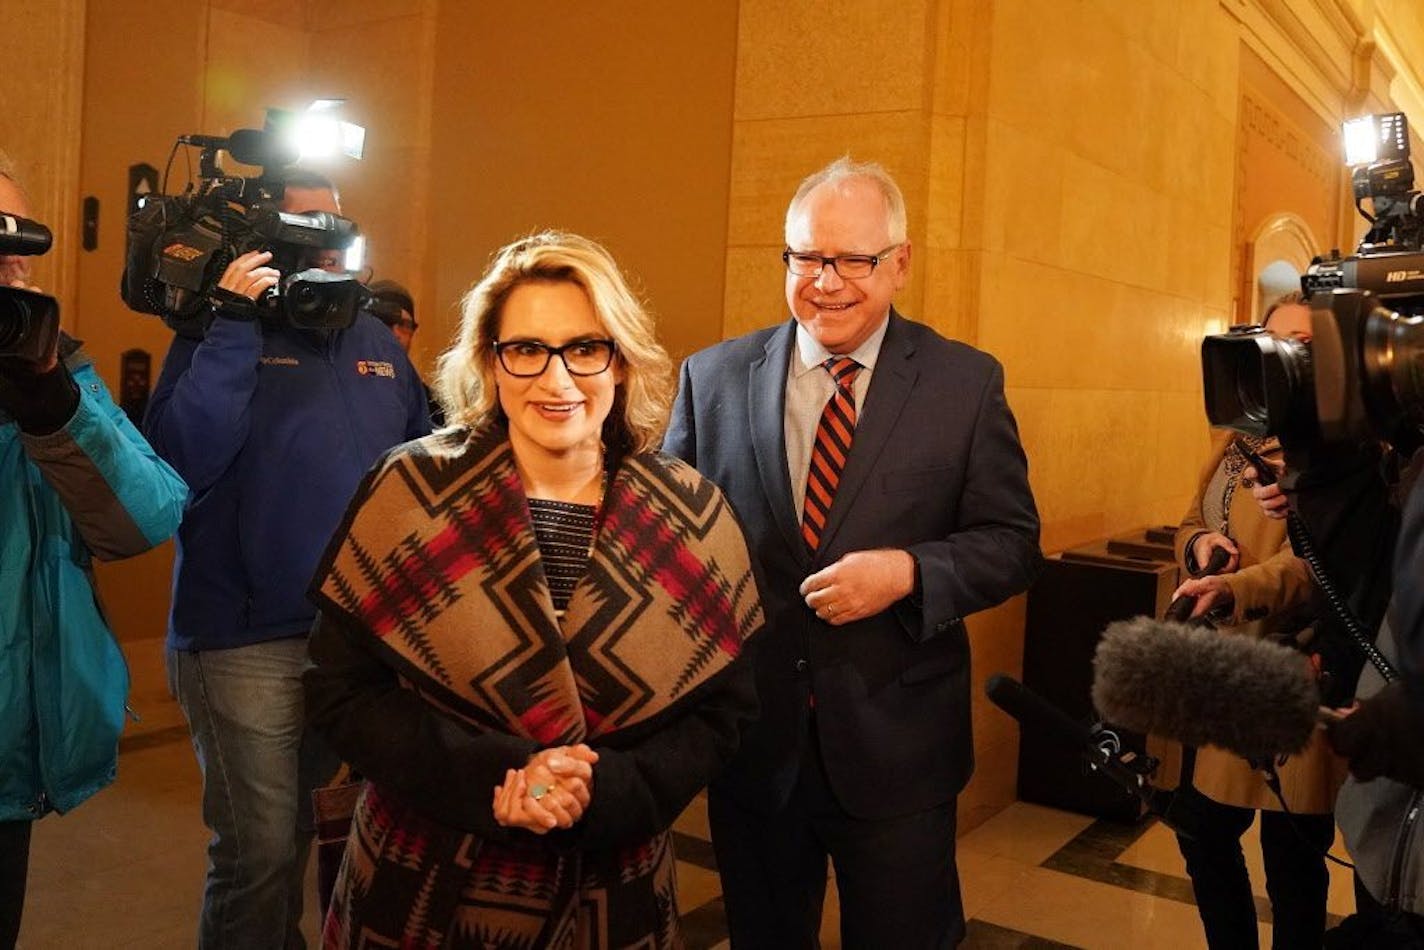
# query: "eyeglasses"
527, 358
847, 266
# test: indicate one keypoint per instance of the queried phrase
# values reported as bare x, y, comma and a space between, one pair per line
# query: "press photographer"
76, 481
1348, 409
277, 395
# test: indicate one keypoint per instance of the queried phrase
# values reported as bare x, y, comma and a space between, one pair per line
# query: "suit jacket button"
802, 666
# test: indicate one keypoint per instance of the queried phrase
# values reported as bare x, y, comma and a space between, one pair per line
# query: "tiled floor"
125, 870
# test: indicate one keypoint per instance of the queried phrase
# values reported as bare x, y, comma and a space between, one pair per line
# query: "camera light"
355, 258
1361, 140
317, 133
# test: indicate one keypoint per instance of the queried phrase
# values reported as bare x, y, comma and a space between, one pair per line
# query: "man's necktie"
829, 452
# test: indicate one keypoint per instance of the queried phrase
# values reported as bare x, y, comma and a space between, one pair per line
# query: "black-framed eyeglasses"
847, 266
531, 358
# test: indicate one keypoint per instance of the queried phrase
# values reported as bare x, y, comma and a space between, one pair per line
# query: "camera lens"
14, 322
304, 299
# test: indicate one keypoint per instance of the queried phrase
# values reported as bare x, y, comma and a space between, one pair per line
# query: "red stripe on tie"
830, 449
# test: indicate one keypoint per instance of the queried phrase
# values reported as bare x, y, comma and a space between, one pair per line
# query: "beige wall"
609, 119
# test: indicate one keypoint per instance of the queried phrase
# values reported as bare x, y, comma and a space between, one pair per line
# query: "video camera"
179, 245
29, 320
1362, 374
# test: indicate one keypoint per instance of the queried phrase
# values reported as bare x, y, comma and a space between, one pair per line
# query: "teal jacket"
93, 488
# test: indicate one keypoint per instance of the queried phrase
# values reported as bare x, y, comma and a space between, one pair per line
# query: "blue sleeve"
120, 495
680, 439
993, 554
418, 420
199, 415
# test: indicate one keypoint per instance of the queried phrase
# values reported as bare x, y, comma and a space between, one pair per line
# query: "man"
394, 306
273, 427
886, 499
76, 480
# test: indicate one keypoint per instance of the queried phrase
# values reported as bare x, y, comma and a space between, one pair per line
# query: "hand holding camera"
35, 390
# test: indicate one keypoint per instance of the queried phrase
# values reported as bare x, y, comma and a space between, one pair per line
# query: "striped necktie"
829, 452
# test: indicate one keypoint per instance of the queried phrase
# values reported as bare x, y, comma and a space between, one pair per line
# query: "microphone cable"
1304, 548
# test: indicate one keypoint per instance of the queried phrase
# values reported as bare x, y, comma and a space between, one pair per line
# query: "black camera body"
1361, 376
29, 320
179, 245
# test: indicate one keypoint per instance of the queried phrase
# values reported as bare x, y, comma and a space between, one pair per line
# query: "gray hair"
843, 169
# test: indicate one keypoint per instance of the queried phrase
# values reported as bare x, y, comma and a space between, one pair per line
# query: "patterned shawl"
437, 561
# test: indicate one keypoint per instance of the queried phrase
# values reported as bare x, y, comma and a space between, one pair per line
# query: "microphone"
23, 237
1180, 609
1033, 710
1252, 697
248, 147
256, 147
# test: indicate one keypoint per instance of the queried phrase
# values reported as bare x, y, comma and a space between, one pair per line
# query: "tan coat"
1270, 579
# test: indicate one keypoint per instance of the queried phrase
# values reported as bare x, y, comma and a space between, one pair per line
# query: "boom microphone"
1033, 710
1252, 697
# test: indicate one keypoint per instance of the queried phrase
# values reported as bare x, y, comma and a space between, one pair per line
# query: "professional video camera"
29, 321
1362, 374
179, 245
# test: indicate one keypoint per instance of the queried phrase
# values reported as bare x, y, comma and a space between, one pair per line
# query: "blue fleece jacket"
92, 488
272, 428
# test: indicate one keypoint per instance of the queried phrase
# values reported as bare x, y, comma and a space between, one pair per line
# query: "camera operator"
76, 479
273, 427
1345, 494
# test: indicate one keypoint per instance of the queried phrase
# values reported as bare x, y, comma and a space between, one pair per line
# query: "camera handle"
1305, 548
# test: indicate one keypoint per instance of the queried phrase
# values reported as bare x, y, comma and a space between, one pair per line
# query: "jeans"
245, 711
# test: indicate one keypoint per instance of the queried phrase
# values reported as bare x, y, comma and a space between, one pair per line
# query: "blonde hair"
845, 168
465, 373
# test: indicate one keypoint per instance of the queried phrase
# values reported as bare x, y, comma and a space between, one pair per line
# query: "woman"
1260, 591
530, 633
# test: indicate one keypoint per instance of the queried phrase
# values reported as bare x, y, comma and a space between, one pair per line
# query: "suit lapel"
890, 387
766, 411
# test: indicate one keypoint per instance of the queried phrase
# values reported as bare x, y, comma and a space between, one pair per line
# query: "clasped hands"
551, 791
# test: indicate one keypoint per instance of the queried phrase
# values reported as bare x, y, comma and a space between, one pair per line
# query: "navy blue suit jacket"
935, 468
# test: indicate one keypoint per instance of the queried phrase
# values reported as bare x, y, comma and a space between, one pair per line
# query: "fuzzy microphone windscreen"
1252, 697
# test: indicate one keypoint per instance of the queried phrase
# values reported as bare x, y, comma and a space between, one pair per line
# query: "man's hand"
1211, 592
1204, 543
1272, 500
249, 276
860, 585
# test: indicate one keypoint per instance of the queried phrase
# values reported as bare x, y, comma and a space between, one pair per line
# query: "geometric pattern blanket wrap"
437, 562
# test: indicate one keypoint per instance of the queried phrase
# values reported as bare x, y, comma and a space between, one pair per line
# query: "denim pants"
245, 711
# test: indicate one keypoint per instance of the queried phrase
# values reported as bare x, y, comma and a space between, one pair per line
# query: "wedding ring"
537, 792
830, 610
